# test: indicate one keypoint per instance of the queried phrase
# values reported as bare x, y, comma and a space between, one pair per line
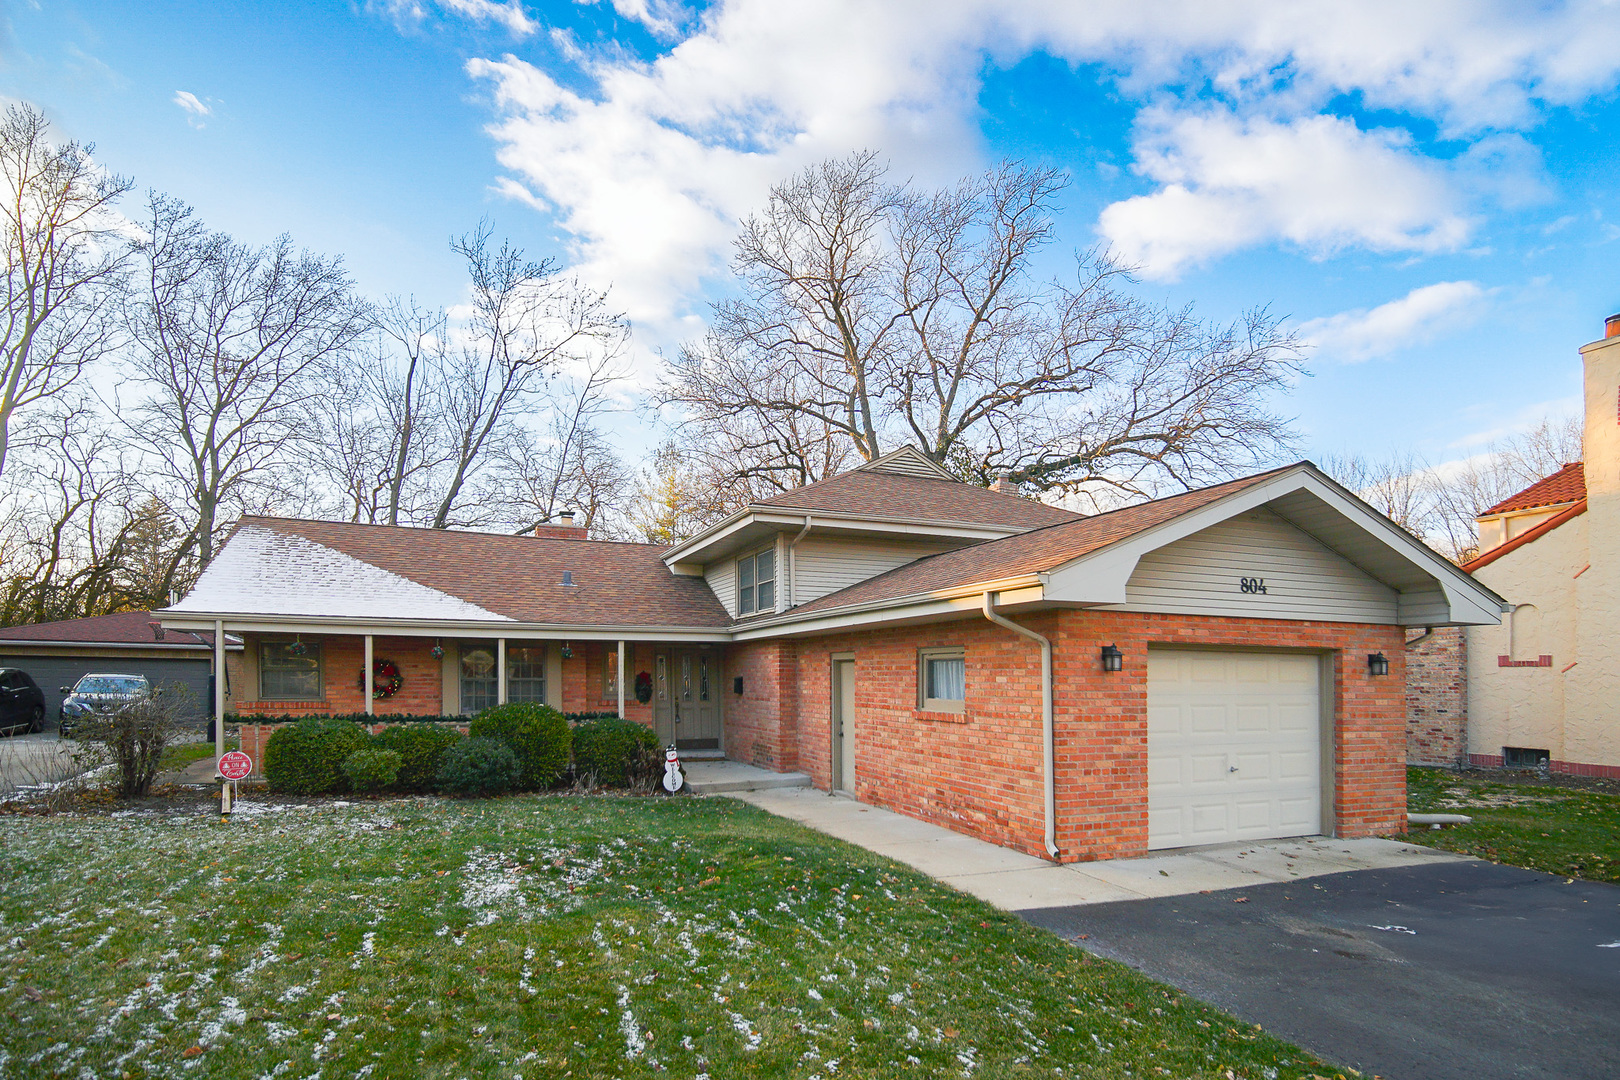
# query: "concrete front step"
725, 777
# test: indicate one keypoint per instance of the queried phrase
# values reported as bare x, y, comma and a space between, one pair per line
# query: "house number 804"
1252, 584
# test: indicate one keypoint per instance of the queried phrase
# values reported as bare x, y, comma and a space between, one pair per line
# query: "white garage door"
1234, 747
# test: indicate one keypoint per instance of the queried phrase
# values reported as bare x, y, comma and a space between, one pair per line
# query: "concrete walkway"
1014, 881
722, 777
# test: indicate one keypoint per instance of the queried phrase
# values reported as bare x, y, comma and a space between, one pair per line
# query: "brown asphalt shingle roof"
1567, 485
895, 495
122, 628
520, 577
1026, 553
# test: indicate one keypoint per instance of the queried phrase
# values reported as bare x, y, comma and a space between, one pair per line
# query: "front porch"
676, 688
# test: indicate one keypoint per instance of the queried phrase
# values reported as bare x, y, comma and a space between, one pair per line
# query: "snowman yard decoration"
674, 780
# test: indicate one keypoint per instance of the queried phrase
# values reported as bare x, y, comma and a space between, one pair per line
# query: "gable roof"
1026, 553
883, 494
291, 566
127, 628
1564, 486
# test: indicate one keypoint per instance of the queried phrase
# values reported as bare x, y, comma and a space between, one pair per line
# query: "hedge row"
516, 746
372, 719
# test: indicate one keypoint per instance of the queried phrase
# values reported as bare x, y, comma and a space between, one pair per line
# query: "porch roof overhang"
380, 626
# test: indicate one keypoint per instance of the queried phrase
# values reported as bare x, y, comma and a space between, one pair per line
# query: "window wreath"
644, 687
385, 679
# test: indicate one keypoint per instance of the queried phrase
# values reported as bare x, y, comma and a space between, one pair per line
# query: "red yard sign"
235, 765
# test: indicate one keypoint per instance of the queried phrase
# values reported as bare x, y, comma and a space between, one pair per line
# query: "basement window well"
1519, 757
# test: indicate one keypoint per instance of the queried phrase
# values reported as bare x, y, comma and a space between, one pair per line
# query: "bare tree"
233, 344
672, 500
874, 313
528, 320
63, 261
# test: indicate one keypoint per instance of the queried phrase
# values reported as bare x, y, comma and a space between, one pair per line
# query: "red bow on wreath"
385, 679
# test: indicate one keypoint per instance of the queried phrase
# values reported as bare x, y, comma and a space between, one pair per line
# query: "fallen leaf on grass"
192, 1052
32, 995
1240, 899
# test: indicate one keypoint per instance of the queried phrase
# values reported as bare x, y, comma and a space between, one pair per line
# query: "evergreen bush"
306, 758
372, 769
421, 749
613, 750
538, 734
480, 766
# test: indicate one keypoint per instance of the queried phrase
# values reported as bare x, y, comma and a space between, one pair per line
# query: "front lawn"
1558, 828
548, 936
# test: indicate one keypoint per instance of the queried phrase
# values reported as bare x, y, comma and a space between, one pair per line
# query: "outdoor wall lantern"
1112, 658
1377, 664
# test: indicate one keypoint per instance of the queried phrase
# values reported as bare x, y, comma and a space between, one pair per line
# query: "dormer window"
756, 582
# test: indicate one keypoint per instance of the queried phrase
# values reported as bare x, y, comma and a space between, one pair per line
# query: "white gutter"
793, 563
1048, 785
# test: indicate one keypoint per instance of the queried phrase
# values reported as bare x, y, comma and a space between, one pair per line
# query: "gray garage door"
51, 672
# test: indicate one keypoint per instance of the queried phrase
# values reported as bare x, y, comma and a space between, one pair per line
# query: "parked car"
101, 693
22, 702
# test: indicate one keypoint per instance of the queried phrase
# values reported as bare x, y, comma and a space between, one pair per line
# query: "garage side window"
941, 679
290, 671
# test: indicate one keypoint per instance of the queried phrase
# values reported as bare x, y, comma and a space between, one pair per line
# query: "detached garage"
57, 654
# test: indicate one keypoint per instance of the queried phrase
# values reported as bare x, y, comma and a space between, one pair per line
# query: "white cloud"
1415, 317
195, 108
411, 14
648, 164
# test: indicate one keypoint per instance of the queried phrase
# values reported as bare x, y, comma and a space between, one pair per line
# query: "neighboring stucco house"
56, 654
1544, 685
1225, 664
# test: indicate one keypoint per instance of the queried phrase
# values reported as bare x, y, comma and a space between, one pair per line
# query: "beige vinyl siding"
722, 579
1201, 575
826, 564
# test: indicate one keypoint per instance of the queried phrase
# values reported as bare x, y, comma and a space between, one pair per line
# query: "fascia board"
248, 622
710, 544
19, 644
1100, 576
1023, 589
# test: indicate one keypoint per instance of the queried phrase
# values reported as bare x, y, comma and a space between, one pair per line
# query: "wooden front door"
686, 698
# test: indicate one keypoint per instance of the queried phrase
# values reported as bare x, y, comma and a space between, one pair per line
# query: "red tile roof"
895, 495
1026, 553
1541, 529
123, 628
615, 584
1564, 486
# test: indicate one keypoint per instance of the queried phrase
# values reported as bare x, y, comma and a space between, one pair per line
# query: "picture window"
288, 674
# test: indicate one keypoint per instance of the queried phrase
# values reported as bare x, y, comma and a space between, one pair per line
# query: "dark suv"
22, 703
103, 694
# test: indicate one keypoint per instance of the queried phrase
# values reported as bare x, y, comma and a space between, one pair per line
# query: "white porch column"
500, 671
366, 679
219, 692
621, 680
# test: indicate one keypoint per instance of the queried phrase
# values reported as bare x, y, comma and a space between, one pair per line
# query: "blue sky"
1428, 191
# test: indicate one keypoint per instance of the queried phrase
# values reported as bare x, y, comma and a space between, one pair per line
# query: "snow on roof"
265, 572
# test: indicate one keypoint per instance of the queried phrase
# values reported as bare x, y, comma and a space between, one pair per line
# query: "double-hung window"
756, 582
478, 682
941, 679
290, 671
526, 674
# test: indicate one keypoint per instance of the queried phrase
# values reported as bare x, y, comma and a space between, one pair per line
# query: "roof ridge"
446, 531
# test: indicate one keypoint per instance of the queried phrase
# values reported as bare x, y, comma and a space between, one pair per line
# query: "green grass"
1558, 830
180, 755
549, 937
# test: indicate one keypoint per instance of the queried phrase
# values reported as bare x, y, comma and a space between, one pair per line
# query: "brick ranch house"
1224, 664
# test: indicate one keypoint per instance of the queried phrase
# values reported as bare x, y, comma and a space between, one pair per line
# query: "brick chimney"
1004, 485
561, 529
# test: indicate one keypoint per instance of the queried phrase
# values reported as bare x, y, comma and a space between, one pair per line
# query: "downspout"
793, 563
1048, 784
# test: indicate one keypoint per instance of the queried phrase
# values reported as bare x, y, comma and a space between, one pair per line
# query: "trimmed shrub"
538, 734
363, 719
480, 766
613, 750
306, 758
421, 750
371, 770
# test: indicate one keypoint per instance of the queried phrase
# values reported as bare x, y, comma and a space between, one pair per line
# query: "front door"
843, 725
686, 698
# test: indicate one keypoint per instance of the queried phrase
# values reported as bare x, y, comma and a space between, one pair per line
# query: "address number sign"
1255, 585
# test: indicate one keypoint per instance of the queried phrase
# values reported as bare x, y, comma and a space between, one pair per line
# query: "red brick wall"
980, 773
1436, 697
343, 659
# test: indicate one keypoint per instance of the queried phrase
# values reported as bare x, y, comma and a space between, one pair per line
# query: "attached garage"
1235, 746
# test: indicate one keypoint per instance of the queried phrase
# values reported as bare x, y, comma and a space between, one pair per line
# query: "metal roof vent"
568, 578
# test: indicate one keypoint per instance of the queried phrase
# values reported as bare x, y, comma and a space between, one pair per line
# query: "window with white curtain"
941, 679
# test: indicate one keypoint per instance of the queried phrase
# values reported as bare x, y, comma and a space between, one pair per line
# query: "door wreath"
385, 679
644, 687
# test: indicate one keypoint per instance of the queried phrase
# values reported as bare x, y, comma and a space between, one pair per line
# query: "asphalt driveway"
41, 758
1460, 969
